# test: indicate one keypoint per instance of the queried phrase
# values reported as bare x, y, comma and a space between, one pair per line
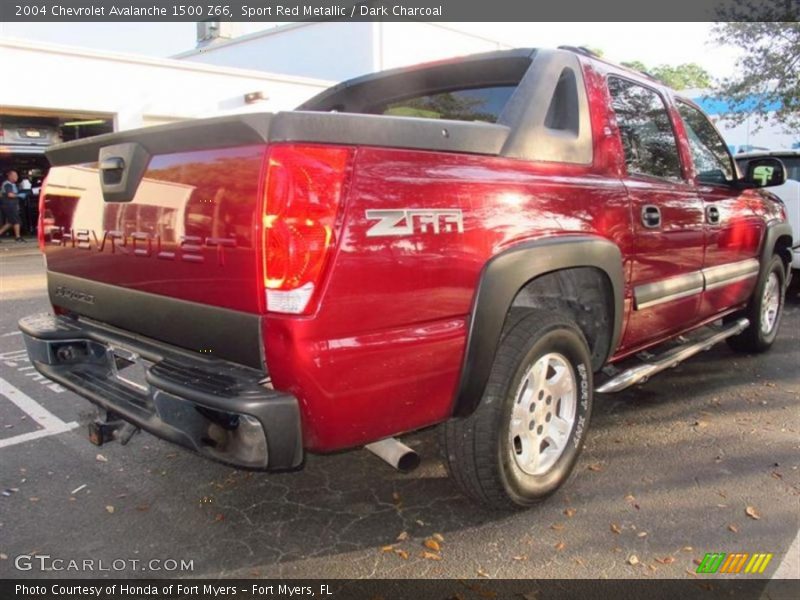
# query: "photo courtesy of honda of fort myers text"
399, 300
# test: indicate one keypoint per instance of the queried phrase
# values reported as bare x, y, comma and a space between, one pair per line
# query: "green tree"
679, 77
766, 84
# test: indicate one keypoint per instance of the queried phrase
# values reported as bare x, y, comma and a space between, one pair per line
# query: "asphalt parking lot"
701, 459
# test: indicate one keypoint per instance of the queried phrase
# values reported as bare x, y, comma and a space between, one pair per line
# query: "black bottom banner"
393, 589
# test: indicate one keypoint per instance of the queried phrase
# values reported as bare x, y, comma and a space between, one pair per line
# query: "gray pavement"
668, 474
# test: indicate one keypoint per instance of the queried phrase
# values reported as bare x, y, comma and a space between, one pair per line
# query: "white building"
134, 91
339, 50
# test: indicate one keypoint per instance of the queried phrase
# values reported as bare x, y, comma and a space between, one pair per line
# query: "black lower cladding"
230, 334
217, 408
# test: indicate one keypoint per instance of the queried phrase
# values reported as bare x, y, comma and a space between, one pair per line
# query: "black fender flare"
501, 279
775, 230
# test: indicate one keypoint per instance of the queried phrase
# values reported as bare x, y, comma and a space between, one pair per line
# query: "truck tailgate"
177, 259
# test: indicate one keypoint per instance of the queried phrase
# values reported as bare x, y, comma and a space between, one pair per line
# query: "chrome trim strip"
668, 290
731, 273
683, 286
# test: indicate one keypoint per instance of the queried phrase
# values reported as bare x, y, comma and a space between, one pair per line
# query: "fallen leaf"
570, 512
420, 522
522, 557
3, 556
697, 561
641, 534
560, 546
633, 560
482, 573
579, 561
529, 596
596, 467
432, 544
616, 528
667, 560
143, 507
430, 556
401, 553
101, 458
652, 568
403, 536
438, 537
388, 548
733, 528
557, 526
219, 517
751, 512
777, 475
33, 499
630, 498
110, 509
687, 549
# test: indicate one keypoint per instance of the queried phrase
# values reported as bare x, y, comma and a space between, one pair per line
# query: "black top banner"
399, 10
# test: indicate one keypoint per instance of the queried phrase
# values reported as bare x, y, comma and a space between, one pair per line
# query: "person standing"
9, 205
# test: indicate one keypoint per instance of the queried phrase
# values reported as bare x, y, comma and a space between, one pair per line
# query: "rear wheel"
764, 311
523, 440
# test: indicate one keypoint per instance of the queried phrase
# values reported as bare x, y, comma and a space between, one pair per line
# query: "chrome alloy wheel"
543, 414
770, 304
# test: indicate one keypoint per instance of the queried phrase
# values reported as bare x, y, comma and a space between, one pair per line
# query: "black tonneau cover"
294, 126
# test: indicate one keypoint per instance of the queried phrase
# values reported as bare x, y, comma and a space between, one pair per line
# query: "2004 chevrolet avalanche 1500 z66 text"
472, 244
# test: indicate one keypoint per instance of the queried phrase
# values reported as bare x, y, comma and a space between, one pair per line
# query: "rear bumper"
216, 408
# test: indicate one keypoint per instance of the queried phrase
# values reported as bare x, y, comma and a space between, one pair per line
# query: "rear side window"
646, 130
709, 152
472, 104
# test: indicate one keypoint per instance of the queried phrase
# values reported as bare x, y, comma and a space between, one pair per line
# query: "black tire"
479, 451
755, 339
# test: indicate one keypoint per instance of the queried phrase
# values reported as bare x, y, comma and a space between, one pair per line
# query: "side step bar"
641, 373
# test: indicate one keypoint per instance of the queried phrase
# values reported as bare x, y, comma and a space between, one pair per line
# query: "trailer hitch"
107, 426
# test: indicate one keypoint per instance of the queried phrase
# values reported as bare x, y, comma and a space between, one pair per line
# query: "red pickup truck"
472, 244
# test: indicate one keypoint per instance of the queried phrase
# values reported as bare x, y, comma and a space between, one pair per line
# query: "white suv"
789, 192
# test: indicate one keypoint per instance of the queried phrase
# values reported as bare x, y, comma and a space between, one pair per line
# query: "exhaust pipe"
396, 453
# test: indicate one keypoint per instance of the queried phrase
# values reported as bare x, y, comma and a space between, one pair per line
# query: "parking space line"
790, 565
50, 423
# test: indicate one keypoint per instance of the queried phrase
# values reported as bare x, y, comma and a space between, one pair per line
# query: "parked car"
789, 192
472, 244
27, 135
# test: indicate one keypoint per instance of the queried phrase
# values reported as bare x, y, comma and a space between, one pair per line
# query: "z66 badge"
408, 221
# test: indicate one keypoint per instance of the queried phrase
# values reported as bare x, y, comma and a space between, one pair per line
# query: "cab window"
712, 163
648, 139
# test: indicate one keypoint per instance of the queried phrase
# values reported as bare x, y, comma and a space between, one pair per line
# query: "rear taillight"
303, 193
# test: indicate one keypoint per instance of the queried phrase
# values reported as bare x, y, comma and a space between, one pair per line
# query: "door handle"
712, 214
651, 216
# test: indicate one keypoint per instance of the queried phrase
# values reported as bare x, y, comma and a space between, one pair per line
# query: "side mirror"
765, 172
